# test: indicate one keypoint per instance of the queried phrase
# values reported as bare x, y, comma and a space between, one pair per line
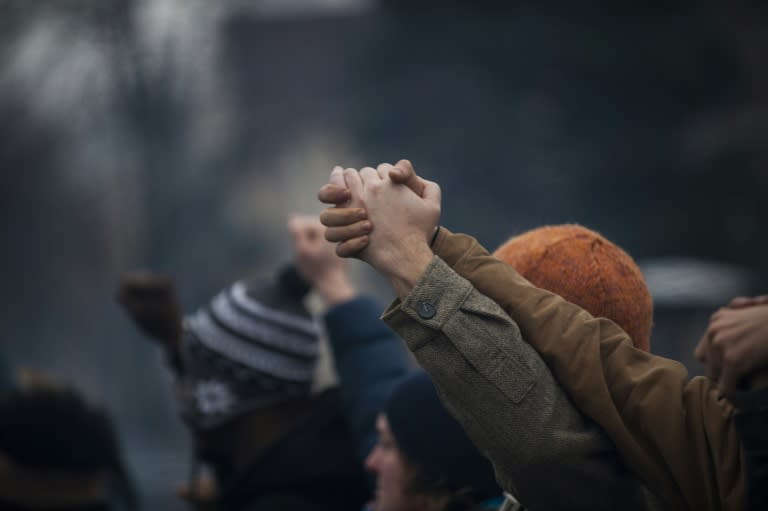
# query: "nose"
372, 460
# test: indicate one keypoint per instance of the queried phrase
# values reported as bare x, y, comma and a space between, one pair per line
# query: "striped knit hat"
252, 346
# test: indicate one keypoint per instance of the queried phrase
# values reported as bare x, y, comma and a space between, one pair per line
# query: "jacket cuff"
436, 297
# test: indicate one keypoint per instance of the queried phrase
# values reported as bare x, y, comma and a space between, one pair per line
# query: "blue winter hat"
434, 441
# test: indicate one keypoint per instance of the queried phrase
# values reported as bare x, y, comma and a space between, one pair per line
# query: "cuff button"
426, 310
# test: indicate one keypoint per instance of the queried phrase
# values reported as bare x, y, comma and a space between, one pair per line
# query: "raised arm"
734, 350
370, 359
150, 301
676, 433
492, 382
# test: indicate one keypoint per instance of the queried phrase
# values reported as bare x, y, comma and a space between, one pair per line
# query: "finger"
353, 182
717, 314
700, 352
432, 192
403, 173
337, 177
353, 247
347, 232
406, 165
714, 358
369, 176
742, 301
334, 194
335, 217
384, 169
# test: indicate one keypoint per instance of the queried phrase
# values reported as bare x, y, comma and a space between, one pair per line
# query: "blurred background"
177, 135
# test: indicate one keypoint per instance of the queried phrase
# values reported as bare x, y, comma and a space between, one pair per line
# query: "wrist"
335, 288
404, 268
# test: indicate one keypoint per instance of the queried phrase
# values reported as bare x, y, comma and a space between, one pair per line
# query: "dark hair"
55, 428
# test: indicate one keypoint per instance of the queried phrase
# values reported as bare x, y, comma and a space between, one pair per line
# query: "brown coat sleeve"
677, 434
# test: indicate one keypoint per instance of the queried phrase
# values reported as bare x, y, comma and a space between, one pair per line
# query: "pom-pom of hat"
588, 270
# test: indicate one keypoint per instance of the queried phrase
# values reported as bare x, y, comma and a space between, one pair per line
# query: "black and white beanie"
252, 346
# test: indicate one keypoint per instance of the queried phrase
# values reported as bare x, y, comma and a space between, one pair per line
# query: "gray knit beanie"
252, 346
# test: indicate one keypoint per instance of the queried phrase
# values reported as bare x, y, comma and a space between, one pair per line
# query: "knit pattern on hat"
252, 346
588, 270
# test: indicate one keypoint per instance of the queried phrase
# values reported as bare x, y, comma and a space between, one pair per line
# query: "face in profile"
392, 472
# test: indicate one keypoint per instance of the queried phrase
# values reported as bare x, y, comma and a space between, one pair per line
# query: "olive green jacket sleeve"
676, 433
543, 450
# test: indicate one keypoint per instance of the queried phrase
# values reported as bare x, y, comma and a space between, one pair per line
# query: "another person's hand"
735, 345
748, 301
403, 221
150, 300
348, 220
317, 261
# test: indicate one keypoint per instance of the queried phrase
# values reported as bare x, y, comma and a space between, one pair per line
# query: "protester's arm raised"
518, 416
150, 301
677, 435
370, 360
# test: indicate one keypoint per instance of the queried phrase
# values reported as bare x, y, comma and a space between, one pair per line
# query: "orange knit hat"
586, 269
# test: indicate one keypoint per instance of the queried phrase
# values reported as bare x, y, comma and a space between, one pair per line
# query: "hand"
735, 345
404, 221
748, 301
202, 496
317, 261
346, 222
150, 300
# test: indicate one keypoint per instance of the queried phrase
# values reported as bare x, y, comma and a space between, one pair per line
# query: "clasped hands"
404, 209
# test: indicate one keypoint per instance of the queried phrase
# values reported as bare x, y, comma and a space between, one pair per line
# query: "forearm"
676, 435
334, 288
504, 396
403, 263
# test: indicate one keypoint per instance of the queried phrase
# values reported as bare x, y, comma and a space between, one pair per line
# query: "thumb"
403, 173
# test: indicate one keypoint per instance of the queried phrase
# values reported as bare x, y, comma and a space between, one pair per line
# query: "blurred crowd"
152, 151
518, 379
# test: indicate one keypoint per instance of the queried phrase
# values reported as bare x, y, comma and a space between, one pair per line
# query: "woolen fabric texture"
586, 269
434, 441
675, 432
253, 345
544, 451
